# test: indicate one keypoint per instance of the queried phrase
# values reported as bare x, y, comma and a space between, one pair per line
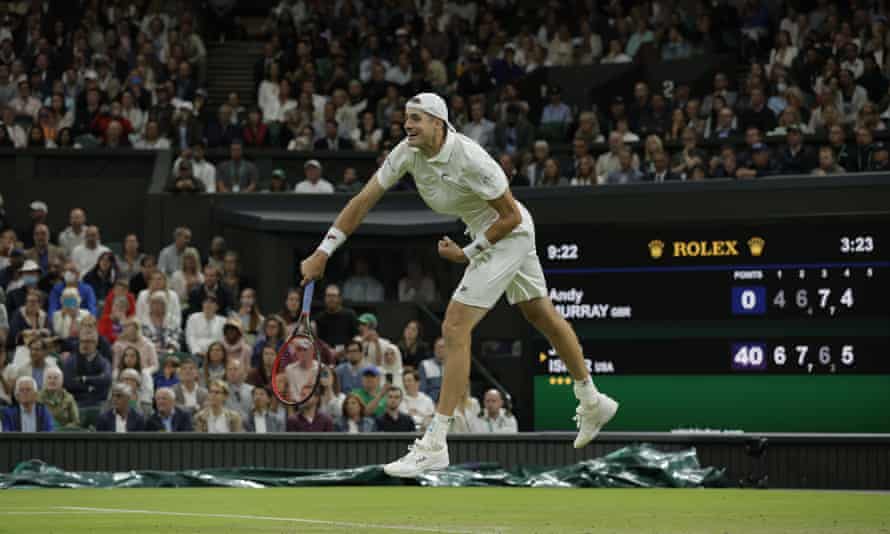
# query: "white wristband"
478, 245
332, 241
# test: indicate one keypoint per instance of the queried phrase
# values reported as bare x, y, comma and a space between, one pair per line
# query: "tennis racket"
297, 364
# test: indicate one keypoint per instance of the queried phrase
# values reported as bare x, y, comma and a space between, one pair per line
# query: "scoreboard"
755, 326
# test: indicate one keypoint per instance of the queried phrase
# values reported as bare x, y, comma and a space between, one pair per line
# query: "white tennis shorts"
511, 265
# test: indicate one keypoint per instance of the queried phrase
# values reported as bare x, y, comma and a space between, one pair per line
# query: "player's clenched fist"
312, 268
449, 250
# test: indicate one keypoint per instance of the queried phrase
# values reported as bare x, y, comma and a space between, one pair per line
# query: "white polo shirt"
459, 180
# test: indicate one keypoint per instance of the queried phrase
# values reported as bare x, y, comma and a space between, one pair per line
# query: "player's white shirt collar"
444, 154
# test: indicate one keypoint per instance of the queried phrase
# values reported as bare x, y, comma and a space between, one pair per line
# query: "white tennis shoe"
419, 459
591, 419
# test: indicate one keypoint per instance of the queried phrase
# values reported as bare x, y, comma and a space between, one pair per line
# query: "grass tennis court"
464, 510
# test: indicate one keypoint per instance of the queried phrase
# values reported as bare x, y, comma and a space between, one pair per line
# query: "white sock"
586, 392
436, 432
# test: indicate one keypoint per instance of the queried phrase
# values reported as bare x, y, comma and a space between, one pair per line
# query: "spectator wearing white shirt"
616, 53
86, 255
202, 169
313, 183
416, 403
852, 61
275, 109
494, 419
73, 235
25, 103
400, 73
153, 140
204, 327
269, 88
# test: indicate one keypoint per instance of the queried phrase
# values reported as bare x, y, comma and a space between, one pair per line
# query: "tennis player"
456, 176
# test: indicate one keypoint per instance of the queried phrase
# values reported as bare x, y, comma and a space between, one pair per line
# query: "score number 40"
753, 356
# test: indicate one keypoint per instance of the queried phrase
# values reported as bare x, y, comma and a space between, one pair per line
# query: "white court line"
338, 524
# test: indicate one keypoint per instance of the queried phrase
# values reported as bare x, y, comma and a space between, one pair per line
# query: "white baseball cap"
430, 103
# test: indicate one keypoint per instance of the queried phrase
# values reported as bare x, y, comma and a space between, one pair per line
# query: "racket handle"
307, 296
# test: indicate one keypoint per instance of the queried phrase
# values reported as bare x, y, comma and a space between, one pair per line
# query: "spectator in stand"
366, 136
170, 258
35, 366
139, 281
393, 419
260, 420
102, 276
129, 262
152, 140
43, 251
120, 418
353, 420
189, 276
162, 328
29, 415
190, 395
880, 158
236, 174
86, 255
211, 287
332, 140
795, 157
167, 377
330, 396
494, 419
158, 284
273, 333
351, 183
240, 396
661, 171
724, 128
74, 234
168, 418
676, 46
249, 316
475, 79
852, 96
28, 277
28, 320
215, 418
761, 163
87, 374
336, 324
349, 372
314, 183
59, 402
431, 369
224, 129
310, 418
204, 327
690, 156
479, 128
535, 169
255, 133
861, 153
555, 117
657, 120
827, 164
756, 113
66, 320
721, 91
235, 345
626, 173
838, 144
616, 53
131, 337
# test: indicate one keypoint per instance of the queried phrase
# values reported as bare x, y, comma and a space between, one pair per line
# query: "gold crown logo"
755, 245
656, 248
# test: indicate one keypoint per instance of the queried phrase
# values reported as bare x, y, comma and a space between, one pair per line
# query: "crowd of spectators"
125, 341
334, 76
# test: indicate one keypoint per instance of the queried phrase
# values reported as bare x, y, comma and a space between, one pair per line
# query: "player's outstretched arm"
350, 217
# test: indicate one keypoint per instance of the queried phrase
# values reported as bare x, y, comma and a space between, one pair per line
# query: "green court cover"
633, 466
